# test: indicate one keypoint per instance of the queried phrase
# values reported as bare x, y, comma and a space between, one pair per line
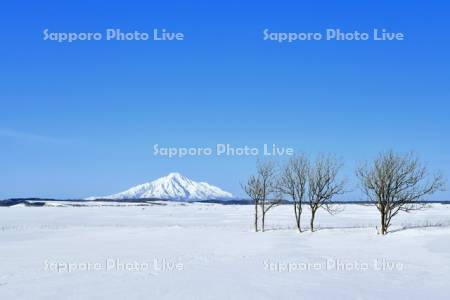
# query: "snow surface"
172, 187
217, 253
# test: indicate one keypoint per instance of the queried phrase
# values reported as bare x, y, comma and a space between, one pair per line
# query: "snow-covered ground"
209, 251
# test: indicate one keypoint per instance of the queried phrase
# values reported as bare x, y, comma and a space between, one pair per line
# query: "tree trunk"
256, 216
263, 219
313, 215
263, 213
297, 209
383, 223
299, 226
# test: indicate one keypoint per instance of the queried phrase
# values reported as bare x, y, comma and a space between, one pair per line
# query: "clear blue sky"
81, 119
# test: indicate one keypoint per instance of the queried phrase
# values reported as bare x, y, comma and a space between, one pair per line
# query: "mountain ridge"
174, 186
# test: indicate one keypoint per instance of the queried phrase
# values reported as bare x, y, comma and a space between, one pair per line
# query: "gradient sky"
81, 119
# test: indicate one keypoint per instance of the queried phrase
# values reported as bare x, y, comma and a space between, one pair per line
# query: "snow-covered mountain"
172, 187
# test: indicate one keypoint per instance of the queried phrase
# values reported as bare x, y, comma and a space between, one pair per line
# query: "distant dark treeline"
11, 202
37, 202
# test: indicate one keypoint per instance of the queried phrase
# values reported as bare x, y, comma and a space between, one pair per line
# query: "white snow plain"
210, 251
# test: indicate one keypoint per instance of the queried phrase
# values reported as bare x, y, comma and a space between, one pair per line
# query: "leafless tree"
293, 182
253, 189
396, 182
261, 189
323, 185
267, 175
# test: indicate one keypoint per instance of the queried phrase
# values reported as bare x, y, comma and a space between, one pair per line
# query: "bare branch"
293, 183
323, 185
395, 183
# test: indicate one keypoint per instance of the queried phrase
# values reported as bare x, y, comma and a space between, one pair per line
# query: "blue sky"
81, 119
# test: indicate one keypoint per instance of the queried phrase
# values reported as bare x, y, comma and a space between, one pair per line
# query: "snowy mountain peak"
174, 186
175, 176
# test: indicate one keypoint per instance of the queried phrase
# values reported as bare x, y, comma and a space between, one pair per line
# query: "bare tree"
323, 185
267, 175
395, 182
293, 181
253, 188
261, 189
